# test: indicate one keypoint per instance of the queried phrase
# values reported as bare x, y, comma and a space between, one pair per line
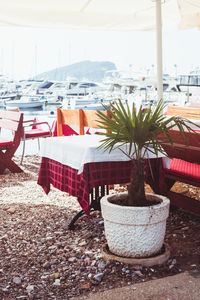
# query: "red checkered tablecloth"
95, 174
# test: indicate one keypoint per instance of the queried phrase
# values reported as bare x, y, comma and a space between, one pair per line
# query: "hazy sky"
25, 52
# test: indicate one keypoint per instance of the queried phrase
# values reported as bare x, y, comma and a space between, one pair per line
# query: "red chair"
11, 122
36, 131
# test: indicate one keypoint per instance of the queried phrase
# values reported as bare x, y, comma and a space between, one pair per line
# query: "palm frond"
140, 129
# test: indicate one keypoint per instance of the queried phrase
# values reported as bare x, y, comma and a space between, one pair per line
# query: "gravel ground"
41, 259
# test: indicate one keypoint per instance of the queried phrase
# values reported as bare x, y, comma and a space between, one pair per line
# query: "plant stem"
136, 192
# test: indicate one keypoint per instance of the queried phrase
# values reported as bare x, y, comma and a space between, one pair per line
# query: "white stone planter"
135, 231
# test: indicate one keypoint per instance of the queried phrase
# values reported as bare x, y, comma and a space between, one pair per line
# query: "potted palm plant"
135, 222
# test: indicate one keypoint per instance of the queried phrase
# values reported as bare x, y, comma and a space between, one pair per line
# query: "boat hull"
27, 104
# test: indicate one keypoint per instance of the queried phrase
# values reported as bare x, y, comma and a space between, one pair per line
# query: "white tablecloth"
75, 151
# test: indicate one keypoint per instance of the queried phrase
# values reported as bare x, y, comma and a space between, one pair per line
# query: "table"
75, 165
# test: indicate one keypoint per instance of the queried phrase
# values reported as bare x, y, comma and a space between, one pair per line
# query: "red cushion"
90, 132
67, 130
4, 142
36, 133
185, 168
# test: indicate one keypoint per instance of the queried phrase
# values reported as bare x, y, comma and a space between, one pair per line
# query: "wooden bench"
184, 167
12, 123
186, 112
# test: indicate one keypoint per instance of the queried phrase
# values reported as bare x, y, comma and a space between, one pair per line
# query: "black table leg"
96, 195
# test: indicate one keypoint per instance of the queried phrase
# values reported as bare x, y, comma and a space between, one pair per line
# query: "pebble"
57, 282
101, 222
87, 260
88, 252
58, 232
185, 228
11, 210
53, 261
137, 267
71, 259
172, 263
93, 263
56, 275
87, 235
49, 238
46, 265
195, 273
85, 286
83, 243
4, 237
101, 266
138, 273
98, 277
152, 270
52, 247
30, 288
17, 280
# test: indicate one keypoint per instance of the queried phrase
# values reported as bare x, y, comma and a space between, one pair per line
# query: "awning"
98, 14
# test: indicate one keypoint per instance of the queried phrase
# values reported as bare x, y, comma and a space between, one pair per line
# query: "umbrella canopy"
123, 15
97, 14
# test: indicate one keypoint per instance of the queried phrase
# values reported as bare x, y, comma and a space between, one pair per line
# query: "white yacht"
26, 102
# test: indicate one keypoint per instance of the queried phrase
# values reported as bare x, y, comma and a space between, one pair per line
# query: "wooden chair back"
90, 119
13, 121
187, 149
72, 117
186, 112
183, 167
10, 121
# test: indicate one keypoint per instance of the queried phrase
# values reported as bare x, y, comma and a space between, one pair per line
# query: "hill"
90, 70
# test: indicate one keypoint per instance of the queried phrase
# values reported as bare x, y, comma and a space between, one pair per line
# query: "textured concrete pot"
135, 231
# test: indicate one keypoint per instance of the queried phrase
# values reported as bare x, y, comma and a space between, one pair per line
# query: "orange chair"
186, 112
70, 117
89, 119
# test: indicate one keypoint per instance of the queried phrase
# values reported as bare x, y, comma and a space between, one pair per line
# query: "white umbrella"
124, 15
99, 14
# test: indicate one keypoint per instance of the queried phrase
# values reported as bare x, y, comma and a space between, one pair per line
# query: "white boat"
26, 102
86, 88
190, 85
2, 103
